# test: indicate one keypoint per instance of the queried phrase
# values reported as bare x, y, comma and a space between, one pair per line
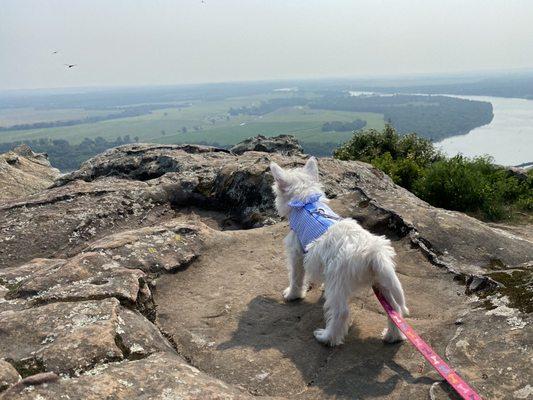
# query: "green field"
205, 121
16, 116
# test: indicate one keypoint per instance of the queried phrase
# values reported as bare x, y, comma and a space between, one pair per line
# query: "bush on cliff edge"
476, 186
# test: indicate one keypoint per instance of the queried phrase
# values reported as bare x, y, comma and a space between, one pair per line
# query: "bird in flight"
70, 65
55, 52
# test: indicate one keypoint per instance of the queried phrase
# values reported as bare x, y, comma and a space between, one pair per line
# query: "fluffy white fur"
347, 258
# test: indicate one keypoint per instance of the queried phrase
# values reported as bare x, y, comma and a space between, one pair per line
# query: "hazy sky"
141, 42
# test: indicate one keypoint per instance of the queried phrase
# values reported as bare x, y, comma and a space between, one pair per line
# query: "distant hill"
520, 86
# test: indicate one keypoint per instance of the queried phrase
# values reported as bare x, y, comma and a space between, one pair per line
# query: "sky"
157, 42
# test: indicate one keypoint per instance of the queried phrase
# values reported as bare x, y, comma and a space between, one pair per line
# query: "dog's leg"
391, 334
389, 285
296, 289
337, 313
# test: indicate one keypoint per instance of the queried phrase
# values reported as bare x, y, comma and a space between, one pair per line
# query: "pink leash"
460, 386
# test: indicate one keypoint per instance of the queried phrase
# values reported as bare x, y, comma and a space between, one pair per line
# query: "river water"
508, 138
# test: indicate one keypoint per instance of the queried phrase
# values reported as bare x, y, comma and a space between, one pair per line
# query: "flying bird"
55, 52
70, 65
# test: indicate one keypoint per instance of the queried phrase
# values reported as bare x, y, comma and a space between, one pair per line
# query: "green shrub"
403, 158
474, 185
458, 184
403, 171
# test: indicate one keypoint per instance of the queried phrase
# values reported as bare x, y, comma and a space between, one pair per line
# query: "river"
508, 138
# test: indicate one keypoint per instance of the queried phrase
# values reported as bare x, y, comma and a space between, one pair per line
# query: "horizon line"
410, 75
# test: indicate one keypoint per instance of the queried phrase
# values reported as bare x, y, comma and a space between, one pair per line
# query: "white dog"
321, 247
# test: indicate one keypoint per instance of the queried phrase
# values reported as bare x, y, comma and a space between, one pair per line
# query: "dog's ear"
311, 167
279, 175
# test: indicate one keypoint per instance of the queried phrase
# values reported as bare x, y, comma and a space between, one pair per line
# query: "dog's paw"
392, 336
405, 311
291, 295
322, 336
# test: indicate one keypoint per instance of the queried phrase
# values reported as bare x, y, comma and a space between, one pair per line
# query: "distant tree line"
124, 113
66, 156
319, 149
517, 85
340, 126
119, 97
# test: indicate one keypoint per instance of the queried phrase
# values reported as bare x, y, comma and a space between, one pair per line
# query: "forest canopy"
340, 126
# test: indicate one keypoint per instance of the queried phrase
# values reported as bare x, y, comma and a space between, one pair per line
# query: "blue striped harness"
310, 219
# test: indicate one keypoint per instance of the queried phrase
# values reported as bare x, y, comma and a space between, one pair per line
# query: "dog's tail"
381, 258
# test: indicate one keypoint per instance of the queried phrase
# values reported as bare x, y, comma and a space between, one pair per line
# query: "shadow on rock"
361, 368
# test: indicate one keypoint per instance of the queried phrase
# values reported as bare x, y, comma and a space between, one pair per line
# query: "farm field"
202, 122
74, 126
29, 115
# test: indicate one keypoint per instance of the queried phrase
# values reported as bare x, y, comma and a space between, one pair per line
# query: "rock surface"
8, 375
160, 376
142, 267
240, 186
23, 172
67, 338
283, 144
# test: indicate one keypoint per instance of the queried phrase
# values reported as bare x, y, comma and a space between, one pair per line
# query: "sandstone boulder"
68, 338
23, 172
159, 376
85, 276
283, 144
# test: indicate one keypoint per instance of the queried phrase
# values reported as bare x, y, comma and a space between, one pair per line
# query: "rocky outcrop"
143, 267
76, 317
521, 174
240, 186
70, 337
23, 172
283, 144
159, 376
